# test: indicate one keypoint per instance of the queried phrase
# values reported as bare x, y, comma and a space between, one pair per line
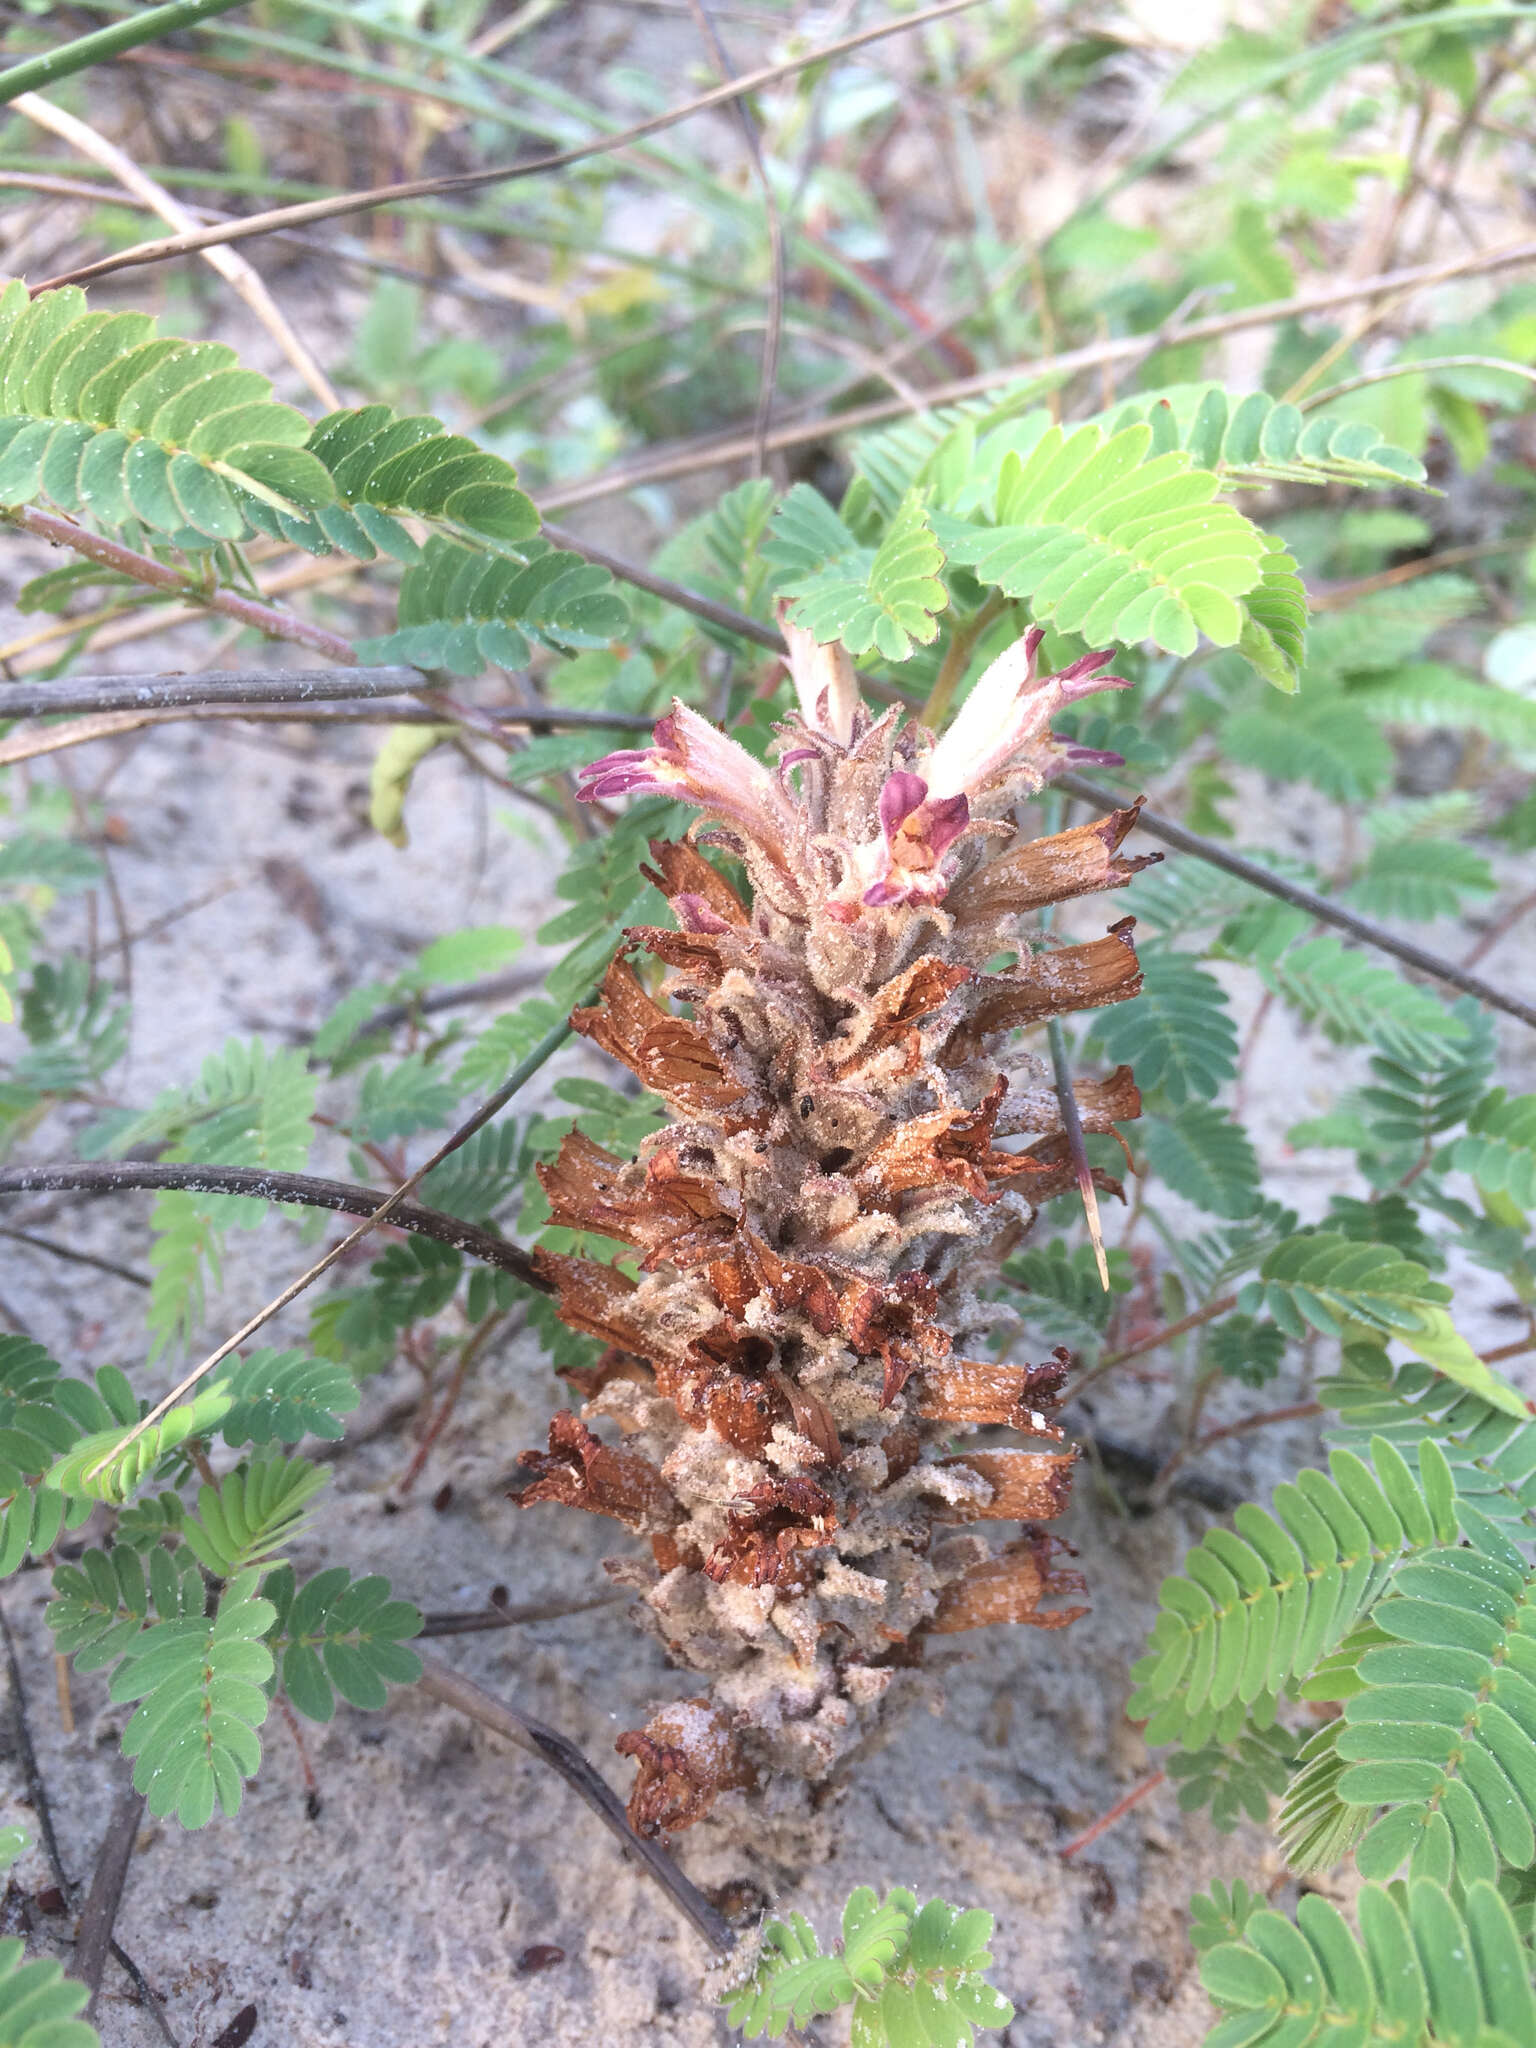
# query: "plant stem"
111, 554
953, 666
101, 1177
146, 26
1106, 1821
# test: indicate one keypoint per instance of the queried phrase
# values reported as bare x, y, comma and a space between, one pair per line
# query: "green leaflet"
1206, 1157
875, 600
1425, 1967
1178, 1035
912, 1974
1260, 440
336, 1634
463, 610
1257, 1605
200, 1687
1499, 1148
383, 467
99, 417
1111, 541
36, 2003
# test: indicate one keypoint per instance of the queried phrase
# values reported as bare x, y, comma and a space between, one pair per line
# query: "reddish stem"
266, 618
1106, 1821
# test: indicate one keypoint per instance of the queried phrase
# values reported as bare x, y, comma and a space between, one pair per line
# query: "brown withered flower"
854, 1145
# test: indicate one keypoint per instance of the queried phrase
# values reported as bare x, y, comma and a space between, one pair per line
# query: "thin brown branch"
476, 181
773, 332
93, 1935
111, 554
725, 448
1322, 907
104, 1177
297, 686
235, 269
1155, 1342
482, 1619
79, 1258
440, 1682
1118, 1811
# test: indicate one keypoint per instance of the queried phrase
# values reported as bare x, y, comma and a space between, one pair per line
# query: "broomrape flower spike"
857, 1138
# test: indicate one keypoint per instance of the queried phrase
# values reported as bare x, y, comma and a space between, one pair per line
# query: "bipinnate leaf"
464, 610
200, 1683
875, 600
1109, 540
336, 1634
100, 418
284, 1396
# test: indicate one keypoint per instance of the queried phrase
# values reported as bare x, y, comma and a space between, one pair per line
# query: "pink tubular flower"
915, 833
824, 681
1007, 717
691, 760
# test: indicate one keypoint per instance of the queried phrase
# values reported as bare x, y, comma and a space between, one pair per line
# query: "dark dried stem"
93, 1935
441, 1682
479, 1621
278, 686
79, 1258
1321, 907
1155, 1342
98, 1177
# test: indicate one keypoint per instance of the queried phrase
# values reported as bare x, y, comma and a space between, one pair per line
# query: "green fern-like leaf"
336, 1634
284, 1396
98, 417
480, 1177
1258, 1605
1206, 1157
461, 609
1429, 693
1356, 1001
382, 468
1067, 1302
1491, 1449
125, 1467
1321, 738
42, 1415
37, 2002
1110, 540
1216, 1257
872, 599
101, 1606
1427, 1967
1274, 636
1235, 1780
1330, 1282
200, 1683
1222, 1913
1420, 879
1499, 1148
1244, 1350
1258, 440
1178, 1035
1439, 1723
1387, 627
251, 1514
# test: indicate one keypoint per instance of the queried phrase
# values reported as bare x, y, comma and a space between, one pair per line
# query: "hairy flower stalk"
857, 1139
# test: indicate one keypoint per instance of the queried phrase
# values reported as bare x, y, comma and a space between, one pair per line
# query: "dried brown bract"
855, 1144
